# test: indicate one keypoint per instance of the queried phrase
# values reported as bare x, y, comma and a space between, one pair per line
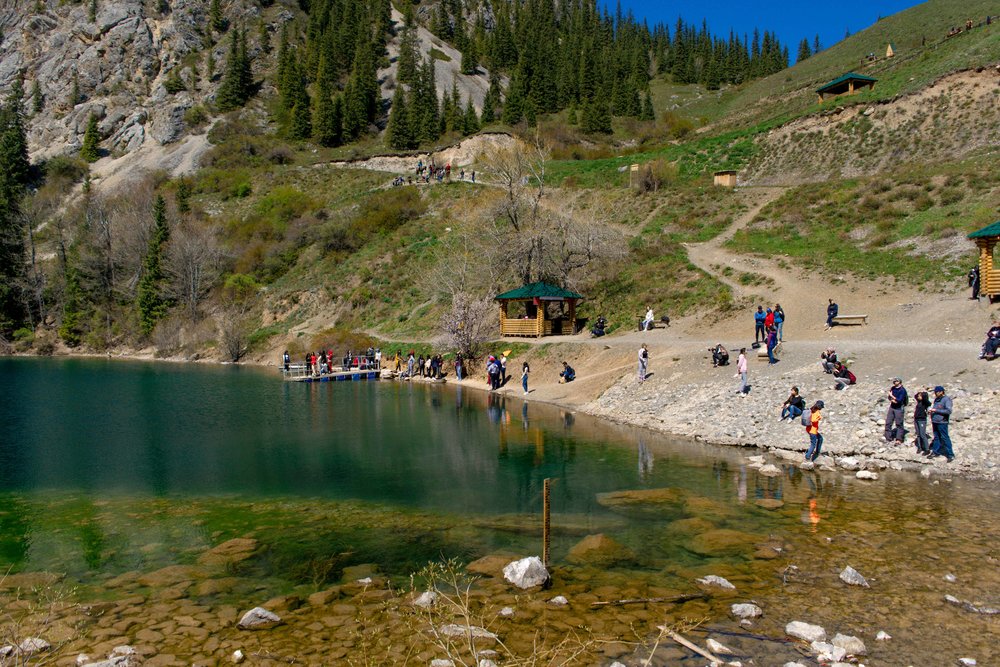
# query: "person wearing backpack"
643, 362
793, 406
921, 403
815, 437
843, 376
894, 431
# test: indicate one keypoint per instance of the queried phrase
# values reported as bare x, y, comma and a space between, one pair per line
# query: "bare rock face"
118, 63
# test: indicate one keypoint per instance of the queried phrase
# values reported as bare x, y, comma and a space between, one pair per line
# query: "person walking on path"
643, 362
940, 412
793, 406
974, 282
815, 437
898, 399
772, 342
921, 403
525, 369
741, 371
831, 312
647, 323
779, 321
759, 333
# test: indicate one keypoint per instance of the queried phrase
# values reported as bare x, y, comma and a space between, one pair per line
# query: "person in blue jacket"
940, 413
759, 333
831, 312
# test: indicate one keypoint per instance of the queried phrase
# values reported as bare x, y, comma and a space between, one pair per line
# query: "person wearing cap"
898, 399
815, 437
940, 412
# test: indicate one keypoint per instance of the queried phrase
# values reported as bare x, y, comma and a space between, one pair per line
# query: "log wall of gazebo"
989, 277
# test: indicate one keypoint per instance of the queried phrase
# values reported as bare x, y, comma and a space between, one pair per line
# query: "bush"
196, 116
657, 174
241, 190
281, 155
387, 211
64, 166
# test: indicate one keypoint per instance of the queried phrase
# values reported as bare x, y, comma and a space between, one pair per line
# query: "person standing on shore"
772, 342
741, 371
921, 403
643, 362
831, 312
898, 400
940, 413
286, 360
525, 369
759, 332
779, 321
974, 282
815, 437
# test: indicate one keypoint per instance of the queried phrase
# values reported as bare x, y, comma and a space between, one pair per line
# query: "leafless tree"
193, 263
469, 323
235, 321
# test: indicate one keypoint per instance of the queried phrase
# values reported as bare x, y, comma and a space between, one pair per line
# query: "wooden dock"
299, 373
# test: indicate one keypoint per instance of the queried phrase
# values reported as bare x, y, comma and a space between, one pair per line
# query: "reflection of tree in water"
645, 461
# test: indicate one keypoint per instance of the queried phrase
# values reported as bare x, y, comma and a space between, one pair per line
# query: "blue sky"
790, 20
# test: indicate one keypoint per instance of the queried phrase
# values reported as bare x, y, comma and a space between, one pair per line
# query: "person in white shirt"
648, 322
741, 371
643, 362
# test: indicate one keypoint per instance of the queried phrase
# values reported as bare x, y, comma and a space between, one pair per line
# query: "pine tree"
400, 134
89, 151
70, 329
409, 55
471, 125
493, 100
804, 50
151, 303
817, 47
74, 94
647, 108
92, 11
326, 131
513, 107
216, 21
237, 82
13, 176
300, 127
596, 118
264, 37
470, 58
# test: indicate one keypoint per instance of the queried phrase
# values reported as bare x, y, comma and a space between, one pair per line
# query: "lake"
110, 470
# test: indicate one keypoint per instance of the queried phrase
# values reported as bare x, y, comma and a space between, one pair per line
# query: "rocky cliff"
118, 66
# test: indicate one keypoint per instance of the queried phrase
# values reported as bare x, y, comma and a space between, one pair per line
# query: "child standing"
815, 437
525, 369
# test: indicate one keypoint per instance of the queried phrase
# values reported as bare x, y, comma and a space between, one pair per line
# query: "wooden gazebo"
848, 84
537, 310
986, 240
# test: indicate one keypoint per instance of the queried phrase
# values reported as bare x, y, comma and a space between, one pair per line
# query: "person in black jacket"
831, 312
921, 402
793, 406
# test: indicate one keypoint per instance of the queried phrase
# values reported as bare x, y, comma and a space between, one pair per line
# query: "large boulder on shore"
599, 550
526, 573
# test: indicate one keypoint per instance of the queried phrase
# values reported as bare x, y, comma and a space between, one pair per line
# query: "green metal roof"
844, 79
991, 230
540, 291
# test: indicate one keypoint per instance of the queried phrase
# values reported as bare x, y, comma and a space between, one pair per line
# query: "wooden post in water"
545, 522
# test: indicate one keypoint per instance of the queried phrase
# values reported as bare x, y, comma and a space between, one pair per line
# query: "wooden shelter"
986, 240
537, 310
848, 84
725, 179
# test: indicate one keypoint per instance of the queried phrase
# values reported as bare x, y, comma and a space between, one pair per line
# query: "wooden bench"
850, 319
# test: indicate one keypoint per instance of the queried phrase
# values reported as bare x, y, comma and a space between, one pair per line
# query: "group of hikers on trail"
427, 173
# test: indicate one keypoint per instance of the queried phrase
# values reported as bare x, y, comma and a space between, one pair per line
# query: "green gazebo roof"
538, 291
844, 79
991, 230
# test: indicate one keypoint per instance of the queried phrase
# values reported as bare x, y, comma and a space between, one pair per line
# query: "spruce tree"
804, 50
647, 108
409, 55
151, 303
71, 329
326, 131
264, 37
816, 45
513, 107
236, 86
13, 176
92, 11
400, 131
91, 139
301, 122
216, 21
471, 119
596, 118
37, 99
74, 93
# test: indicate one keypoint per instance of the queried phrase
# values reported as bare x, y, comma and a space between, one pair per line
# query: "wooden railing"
301, 370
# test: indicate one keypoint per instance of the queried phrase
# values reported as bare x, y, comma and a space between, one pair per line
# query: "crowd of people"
427, 173
324, 362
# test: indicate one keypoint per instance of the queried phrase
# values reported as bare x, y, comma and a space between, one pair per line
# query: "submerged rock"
805, 631
426, 599
232, 551
526, 573
713, 580
642, 500
599, 550
746, 610
828, 652
455, 630
853, 577
258, 618
33, 645
559, 601
722, 541
867, 474
717, 648
883, 636
852, 645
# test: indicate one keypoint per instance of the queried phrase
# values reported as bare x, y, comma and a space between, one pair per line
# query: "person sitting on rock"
720, 355
843, 377
992, 344
828, 359
567, 374
793, 406
599, 327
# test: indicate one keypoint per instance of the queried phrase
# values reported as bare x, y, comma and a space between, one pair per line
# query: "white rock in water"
867, 474
968, 662
883, 636
365, 582
806, 465
426, 599
950, 578
805, 631
852, 645
441, 662
237, 657
82, 659
716, 647
616, 664
746, 610
32, 645
713, 580
828, 652
485, 662
526, 573
455, 630
507, 612
258, 618
926, 472
793, 664
770, 470
559, 601
853, 577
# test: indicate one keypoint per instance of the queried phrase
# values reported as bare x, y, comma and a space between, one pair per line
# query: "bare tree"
193, 263
235, 322
468, 323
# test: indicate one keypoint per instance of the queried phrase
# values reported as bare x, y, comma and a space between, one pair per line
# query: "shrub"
196, 116
281, 155
657, 174
241, 190
65, 166
387, 211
